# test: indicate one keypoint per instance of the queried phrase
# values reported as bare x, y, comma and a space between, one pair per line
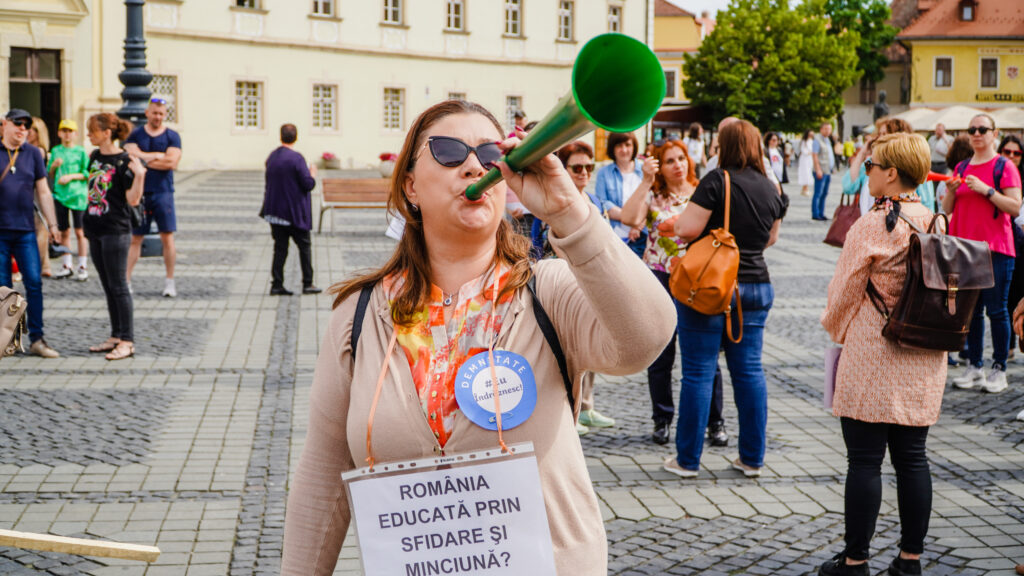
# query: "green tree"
778, 67
868, 18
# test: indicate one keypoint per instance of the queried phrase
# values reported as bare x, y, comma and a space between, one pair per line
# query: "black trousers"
865, 448
281, 235
659, 379
110, 258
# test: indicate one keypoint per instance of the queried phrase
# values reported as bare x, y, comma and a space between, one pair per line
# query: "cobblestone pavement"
189, 444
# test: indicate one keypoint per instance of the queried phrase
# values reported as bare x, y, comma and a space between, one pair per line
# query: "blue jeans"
820, 192
993, 301
22, 245
701, 336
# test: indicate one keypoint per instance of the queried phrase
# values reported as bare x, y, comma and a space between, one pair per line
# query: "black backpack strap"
357, 320
548, 329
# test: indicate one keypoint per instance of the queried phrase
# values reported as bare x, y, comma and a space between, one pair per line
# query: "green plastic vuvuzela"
617, 85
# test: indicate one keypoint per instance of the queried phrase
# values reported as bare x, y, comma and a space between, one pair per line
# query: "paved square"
189, 445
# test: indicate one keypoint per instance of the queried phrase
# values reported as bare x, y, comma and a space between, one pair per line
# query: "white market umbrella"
1012, 118
953, 118
916, 117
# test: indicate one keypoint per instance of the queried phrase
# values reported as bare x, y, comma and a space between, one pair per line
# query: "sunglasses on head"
1012, 153
452, 152
158, 100
978, 130
579, 168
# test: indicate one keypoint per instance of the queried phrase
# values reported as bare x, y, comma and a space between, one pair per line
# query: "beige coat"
877, 380
611, 315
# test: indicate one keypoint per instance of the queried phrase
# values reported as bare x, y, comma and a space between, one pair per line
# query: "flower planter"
387, 168
332, 163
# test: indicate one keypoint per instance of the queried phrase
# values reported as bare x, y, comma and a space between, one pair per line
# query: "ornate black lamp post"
135, 77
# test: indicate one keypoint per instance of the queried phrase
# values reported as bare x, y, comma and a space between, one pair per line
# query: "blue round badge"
517, 390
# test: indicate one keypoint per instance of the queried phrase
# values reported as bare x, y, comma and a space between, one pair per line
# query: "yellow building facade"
351, 75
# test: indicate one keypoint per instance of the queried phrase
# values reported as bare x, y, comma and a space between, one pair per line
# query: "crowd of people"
109, 197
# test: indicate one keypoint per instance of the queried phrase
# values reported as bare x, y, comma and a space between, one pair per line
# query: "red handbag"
846, 214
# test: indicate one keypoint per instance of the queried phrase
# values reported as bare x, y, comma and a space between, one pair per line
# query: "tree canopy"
779, 67
869, 19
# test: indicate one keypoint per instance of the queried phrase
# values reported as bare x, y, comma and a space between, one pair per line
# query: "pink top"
973, 213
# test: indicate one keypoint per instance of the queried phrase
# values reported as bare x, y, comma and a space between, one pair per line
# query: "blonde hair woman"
885, 395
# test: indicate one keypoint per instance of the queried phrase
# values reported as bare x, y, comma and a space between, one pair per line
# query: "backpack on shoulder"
945, 277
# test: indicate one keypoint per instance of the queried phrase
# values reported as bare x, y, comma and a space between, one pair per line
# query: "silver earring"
415, 208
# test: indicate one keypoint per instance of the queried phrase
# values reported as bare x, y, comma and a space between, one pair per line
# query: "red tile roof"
992, 19
666, 8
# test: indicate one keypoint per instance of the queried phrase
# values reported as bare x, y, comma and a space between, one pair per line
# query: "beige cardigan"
611, 315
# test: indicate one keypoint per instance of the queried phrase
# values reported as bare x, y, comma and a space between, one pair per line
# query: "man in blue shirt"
160, 148
287, 207
22, 180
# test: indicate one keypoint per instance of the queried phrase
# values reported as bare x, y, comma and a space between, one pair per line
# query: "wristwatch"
990, 193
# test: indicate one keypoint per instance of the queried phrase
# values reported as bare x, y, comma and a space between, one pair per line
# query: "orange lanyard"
12, 160
370, 459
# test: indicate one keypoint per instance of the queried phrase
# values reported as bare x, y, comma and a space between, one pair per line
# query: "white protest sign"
483, 518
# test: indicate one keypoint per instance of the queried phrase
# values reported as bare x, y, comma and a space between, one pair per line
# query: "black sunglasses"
23, 122
978, 130
452, 152
1012, 153
579, 168
869, 164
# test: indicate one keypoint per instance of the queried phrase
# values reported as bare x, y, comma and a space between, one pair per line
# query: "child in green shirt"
69, 165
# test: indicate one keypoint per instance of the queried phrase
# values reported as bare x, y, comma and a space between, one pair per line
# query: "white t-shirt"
695, 148
630, 182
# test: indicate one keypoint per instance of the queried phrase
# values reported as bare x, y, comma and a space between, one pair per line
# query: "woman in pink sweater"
886, 395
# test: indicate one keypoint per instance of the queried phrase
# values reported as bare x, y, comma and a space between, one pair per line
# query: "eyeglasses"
452, 152
579, 168
869, 164
23, 122
978, 130
158, 100
1012, 153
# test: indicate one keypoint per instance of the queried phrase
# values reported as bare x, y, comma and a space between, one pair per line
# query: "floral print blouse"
663, 250
436, 350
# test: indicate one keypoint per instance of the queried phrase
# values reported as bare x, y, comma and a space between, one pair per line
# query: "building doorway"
35, 85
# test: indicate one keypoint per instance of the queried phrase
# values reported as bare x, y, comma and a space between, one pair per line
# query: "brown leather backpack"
945, 276
705, 277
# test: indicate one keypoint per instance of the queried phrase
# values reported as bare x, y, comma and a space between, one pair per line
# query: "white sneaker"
82, 275
1020, 416
130, 291
169, 291
996, 381
64, 272
971, 377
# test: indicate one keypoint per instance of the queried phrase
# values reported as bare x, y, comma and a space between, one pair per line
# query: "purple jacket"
288, 184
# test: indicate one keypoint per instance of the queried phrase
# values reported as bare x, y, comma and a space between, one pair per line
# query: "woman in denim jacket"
616, 182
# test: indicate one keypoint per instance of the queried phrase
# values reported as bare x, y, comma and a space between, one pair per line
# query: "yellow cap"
68, 125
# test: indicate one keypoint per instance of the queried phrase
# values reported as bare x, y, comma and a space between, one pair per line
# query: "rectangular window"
254, 4
325, 104
392, 11
249, 105
323, 7
989, 72
943, 72
670, 83
512, 105
457, 96
867, 91
615, 18
394, 108
456, 15
513, 17
166, 87
565, 10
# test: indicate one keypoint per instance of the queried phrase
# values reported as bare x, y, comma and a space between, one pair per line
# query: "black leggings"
659, 379
110, 257
865, 447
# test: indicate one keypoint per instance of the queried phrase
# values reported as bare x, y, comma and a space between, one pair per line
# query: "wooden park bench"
356, 193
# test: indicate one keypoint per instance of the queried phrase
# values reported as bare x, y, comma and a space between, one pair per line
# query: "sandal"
121, 352
107, 346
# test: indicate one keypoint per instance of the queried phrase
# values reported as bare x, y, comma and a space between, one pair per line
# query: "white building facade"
351, 74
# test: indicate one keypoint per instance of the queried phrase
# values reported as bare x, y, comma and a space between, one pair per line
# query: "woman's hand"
650, 169
546, 189
976, 184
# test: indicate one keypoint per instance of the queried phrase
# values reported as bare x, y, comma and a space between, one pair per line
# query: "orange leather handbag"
705, 277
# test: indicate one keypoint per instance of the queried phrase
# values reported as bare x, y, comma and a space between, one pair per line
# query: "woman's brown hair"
895, 126
740, 147
959, 151
660, 186
616, 138
411, 258
119, 129
577, 147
